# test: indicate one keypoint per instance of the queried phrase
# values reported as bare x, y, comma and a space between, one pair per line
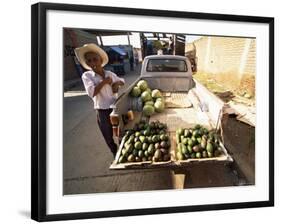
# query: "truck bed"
182, 109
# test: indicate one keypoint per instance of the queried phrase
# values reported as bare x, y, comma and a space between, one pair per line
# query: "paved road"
86, 158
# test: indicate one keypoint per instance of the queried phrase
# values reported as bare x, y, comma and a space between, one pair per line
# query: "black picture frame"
39, 114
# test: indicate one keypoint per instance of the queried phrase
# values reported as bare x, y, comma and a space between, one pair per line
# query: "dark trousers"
103, 120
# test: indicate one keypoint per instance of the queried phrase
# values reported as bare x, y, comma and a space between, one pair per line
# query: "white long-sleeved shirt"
105, 98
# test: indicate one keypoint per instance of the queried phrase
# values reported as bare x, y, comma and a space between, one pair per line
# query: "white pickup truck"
187, 103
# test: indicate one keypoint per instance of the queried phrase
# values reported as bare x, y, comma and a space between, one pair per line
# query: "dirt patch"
227, 87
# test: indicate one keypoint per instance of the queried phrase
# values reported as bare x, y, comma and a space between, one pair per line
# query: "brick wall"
229, 60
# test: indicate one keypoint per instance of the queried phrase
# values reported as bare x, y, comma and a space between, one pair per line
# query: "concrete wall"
232, 61
74, 38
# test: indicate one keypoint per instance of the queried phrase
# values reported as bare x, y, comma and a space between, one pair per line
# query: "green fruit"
193, 155
158, 154
189, 148
145, 96
146, 154
180, 131
197, 126
199, 140
135, 92
148, 110
198, 155
142, 84
184, 149
141, 154
137, 134
210, 154
155, 138
129, 147
144, 146
135, 152
185, 141
146, 132
149, 158
209, 147
203, 143
204, 154
159, 106
131, 158
149, 139
156, 93
178, 138
122, 159
180, 156
186, 133
150, 102
138, 145
191, 142
138, 159
162, 137
150, 149
142, 138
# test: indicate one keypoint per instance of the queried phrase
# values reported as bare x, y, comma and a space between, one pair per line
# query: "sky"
135, 39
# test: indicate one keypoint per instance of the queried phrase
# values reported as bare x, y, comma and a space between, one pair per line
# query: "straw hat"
80, 54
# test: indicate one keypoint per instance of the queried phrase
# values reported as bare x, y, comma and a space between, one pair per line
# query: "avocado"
193, 155
155, 138
146, 132
157, 145
129, 147
198, 139
144, 146
198, 155
143, 138
135, 152
189, 148
184, 149
131, 158
150, 149
180, 131
204, 154
138, 145
122, 159
180, 155
185, 141
210, 154
203, 143
186, 133
140, 153
158, 154
146, 154
209, 147
190, 142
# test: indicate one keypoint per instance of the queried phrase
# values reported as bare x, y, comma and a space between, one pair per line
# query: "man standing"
101, 86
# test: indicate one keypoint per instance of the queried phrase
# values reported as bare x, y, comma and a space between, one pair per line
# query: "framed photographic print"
140, 111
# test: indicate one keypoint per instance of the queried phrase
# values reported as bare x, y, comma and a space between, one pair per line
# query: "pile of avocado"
196, 143
146, 142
